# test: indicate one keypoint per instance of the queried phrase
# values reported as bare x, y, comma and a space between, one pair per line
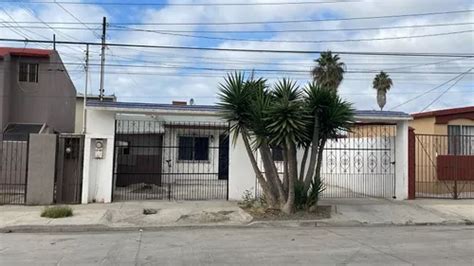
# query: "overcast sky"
157, 75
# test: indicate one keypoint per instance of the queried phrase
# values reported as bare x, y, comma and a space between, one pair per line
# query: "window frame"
28, 73
193, 149
459, 143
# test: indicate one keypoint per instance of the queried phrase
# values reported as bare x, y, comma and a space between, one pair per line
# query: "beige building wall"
79, 115
423, 125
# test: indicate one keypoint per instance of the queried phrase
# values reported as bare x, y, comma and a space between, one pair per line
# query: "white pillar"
401, 161
86, 171
241, 174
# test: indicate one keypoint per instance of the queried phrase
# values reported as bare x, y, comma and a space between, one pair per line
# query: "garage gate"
360, 163
171, 160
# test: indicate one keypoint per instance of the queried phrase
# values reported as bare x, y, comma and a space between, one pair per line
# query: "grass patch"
56, 212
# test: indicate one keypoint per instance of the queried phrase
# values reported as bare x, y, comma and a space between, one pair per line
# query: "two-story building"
36, 92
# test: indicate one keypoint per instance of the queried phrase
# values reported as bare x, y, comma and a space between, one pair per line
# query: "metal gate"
69, 163
360, 163
13, 168
444, 166
170, 160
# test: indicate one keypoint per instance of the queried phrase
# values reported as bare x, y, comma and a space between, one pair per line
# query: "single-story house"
443, 153
136, 151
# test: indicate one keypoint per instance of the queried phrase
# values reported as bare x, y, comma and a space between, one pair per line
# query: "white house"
137, 151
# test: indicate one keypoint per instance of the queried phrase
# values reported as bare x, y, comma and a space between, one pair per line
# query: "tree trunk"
317, 173
271, 172
303, 163
289, 206
314, 152
270, 197
381, 98
286, 170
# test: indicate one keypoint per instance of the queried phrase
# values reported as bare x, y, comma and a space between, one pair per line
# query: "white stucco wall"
97, 177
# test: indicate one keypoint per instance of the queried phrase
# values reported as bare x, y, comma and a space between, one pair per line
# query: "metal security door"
69, 163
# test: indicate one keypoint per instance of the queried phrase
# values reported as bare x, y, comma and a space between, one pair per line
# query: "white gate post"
401, 161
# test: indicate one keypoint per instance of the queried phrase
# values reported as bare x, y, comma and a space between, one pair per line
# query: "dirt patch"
261, 214
205, 217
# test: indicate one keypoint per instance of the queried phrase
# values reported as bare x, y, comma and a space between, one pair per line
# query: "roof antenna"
191, 101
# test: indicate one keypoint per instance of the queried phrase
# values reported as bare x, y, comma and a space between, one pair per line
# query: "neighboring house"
80, 108
443, 152
454, 121
36, 96
35, 89
137, 151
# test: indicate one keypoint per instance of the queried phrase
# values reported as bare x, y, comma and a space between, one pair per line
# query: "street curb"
254, 224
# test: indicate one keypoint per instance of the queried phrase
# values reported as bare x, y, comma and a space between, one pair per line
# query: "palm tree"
382, 83
329, 71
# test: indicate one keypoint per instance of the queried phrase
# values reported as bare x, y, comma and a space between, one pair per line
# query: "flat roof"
363, 115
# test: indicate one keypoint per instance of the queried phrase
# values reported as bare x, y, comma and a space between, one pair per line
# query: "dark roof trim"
152, 106
452, 111
213, 109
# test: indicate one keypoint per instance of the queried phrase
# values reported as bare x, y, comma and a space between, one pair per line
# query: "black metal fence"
171, 160
360, 163
444, 166
13, 168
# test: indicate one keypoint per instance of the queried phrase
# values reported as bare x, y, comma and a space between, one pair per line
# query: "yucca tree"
329, 71
329, 115
382, 83
286, 116
236, 95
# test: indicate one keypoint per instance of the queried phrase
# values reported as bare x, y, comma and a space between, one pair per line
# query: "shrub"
248, 200
317, 187
57, 212
307, 200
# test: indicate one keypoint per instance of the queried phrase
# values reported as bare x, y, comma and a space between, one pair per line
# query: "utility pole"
54, 42
84, 111
102, 59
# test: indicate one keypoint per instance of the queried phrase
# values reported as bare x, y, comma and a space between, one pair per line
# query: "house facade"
35, 89
137, 151
443, 153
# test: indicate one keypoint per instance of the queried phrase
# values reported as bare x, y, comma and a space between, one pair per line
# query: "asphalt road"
426, 245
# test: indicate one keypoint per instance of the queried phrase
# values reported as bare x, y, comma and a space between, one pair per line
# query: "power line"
430, 90
265, 22
244, 50
310, 41
188, 4
76, 18
445, 91
174, 66
125, 28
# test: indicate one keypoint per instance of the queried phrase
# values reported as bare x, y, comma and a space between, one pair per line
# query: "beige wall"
79, 115
427, 125
423, 125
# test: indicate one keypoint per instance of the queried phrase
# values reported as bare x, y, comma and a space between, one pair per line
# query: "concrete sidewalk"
370, 211
129, 215
125, 215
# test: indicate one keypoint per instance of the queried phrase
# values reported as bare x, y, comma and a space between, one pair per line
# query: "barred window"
28, 72
193, 149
